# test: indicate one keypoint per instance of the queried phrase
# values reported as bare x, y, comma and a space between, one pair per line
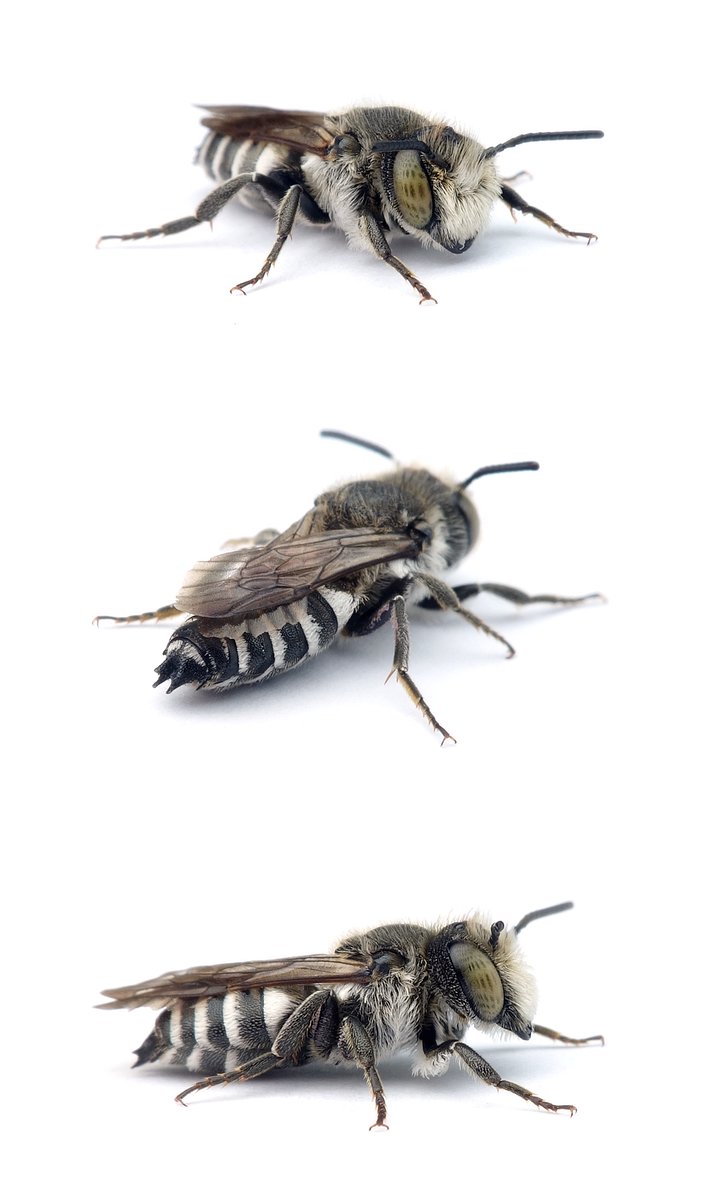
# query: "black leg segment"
209, 208
515, 203
286, 215
356, 1045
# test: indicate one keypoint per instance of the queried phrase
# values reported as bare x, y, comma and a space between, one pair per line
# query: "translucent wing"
304, 131
255, 580
227, 977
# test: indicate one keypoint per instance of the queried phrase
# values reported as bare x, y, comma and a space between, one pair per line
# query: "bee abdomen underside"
219, 655
219, 1033
277, 167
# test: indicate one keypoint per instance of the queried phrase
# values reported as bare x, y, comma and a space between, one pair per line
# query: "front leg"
374, 235
478, 1066
512, 594
543, 1031
515, 202
447, 598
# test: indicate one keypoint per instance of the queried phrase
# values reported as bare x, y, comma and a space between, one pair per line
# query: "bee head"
479, 968
438, 186
449, 517
444, 515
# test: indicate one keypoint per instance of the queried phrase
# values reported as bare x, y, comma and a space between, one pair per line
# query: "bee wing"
256, 580
303, 131
227, 977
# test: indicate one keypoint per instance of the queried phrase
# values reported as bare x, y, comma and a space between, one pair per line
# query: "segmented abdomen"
219, 1033
277, 168
217, 655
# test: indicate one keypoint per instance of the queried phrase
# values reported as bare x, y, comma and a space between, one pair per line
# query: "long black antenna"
499, 470
542, 912
356, 441
572, 135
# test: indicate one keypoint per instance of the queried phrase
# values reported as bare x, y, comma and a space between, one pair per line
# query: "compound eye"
412, 189
479, 979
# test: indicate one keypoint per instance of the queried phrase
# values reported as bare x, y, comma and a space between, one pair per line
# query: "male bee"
352, 563
367, 171
397, 987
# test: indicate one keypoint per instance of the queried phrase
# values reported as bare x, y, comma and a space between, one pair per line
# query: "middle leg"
286, 214
356, 1045
400, 664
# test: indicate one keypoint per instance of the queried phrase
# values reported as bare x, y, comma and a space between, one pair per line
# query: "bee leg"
514, 201
356, 1045
516, 177
446, 598
400, 662
286, 1048
478, 1066
249, 1070
159, 614
515, 596
209, 208
260, 539
375, 236
286, 214
568, 1041
464, 590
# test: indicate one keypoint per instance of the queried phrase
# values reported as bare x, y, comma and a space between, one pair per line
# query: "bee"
368, 171
395, 988
356, 560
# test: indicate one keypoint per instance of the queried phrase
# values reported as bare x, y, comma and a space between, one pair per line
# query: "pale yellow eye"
412, 189
481, 979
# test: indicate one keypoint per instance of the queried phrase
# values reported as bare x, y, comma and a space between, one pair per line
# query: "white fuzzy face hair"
444, 196
497, 982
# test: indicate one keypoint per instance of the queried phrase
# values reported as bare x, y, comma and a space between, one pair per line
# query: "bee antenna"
498, 470
356, 441
542, 912
495, 930
568, 136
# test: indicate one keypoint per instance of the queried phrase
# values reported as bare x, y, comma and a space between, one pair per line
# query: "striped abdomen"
277, 168
213, 654
220, 1033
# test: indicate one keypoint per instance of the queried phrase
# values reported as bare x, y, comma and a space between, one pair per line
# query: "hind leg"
209, 208
286, 1049
159, 614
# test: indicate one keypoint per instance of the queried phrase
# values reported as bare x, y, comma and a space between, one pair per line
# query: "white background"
152, 415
